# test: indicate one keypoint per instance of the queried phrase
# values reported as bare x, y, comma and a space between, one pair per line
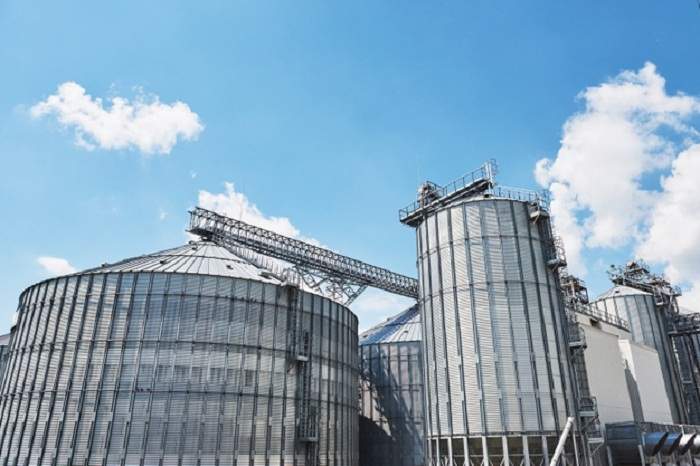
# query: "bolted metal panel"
392, 412
495, 350
648, 326
145, 367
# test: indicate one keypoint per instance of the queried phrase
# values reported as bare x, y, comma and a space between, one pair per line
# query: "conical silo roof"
196, 257
621, 290
402, 327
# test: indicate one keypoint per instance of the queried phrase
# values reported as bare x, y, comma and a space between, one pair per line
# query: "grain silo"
649, 327
189, 356
497, 369
392, 419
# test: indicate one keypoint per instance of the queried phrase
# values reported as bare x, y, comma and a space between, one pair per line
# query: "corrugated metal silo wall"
496, 355
3, 359
172, 369
687, 350
649, 327
391, 404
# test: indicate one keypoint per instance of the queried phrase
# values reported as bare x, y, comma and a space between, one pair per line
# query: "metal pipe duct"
624, 444
653, 441
695, 447
686, 442
671, 443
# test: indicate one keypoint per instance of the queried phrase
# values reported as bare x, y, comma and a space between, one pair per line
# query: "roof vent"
229, 266
104, 264
164, 261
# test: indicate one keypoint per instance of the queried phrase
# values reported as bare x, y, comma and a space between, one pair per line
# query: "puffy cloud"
374, 306
628, 133
145, 124
237, 205
673, 236
56, 265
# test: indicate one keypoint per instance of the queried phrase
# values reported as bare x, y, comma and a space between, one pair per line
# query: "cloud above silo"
55, 266
622, 175
234, 204
144, 123
372, 306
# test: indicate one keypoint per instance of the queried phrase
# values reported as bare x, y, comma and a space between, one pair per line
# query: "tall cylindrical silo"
187, 356
392, 419
496, 355
648, 326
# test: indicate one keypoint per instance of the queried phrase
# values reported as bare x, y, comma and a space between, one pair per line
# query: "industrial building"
627, 373
240, 349
648, 328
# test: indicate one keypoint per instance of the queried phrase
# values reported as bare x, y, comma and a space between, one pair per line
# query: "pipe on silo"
653, 442
686, 443
671, 443
695, 447
562, 442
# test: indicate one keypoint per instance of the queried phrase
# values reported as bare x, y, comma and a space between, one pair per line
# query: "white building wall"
606, 374
643, 362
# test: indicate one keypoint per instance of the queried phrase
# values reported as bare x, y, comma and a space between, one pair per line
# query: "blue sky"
327, 113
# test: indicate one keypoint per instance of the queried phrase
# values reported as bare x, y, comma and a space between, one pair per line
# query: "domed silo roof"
194, 258
621, 290
399, 328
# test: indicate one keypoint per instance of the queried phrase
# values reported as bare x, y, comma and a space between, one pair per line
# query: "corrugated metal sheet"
401, 327
175, 358
392, 410
194, 258
496, 356
621, 290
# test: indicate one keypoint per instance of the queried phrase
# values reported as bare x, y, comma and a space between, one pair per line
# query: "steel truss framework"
339, 277
638, 275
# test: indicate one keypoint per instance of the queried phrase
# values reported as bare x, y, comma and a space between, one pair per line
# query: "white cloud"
56, 265
602, 179
673, 237
371, 307
145, 123
374, 306
162, 215
193, 174
237, 205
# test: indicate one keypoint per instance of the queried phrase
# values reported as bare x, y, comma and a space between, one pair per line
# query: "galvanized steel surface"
496, 355
4, 342
139, 367
403, 327
392, 413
